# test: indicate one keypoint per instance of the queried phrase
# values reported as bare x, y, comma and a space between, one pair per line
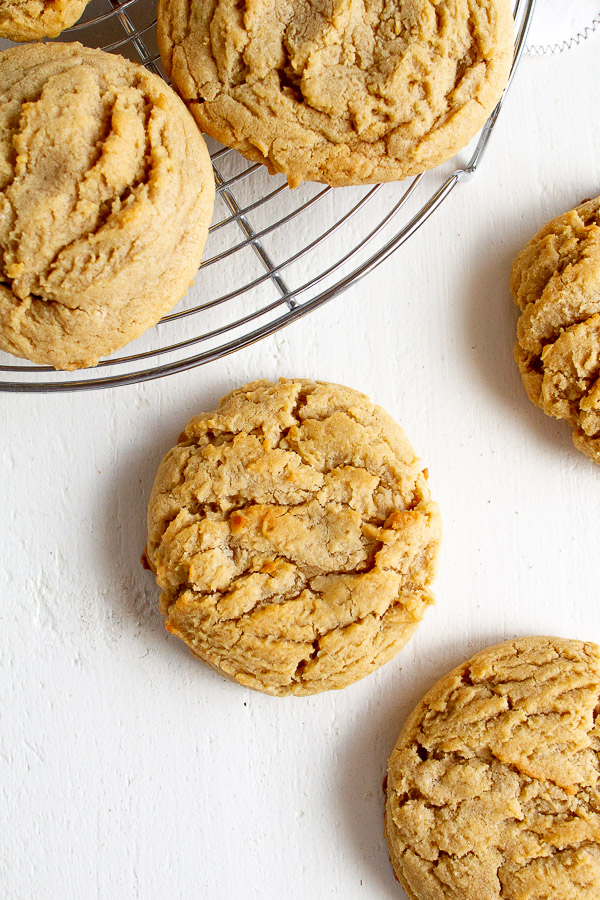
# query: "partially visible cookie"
106, 194
293, 537
556, 282
339, 91
32, 20
493, 789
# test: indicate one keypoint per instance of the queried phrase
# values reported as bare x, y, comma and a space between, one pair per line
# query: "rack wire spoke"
285, 233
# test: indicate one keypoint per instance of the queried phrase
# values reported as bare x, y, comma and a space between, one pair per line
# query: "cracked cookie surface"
31, 20
106, 194
339, 91
293, 537
493, 788
556, 282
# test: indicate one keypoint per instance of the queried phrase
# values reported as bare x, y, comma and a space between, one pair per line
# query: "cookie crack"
110, 200
111, 209
18, 134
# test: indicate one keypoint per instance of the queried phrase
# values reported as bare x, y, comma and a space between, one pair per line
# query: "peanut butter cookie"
106, 194
293, 537
31, 20
556, 283
339, 91
493, 788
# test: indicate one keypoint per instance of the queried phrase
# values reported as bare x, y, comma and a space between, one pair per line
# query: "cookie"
337, 91
106, 194
293, 537
31, 20
493, 789
556, 282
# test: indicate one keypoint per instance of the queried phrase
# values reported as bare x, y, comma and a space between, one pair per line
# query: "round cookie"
293, 537
106, 194
493, 788
556, 282
31, 20
338, 91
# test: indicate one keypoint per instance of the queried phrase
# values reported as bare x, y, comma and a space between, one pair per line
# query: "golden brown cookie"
31, 20
293, 537
106, 194
493, 789
339, 91
556, 282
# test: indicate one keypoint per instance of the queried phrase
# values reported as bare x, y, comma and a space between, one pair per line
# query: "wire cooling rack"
263, 266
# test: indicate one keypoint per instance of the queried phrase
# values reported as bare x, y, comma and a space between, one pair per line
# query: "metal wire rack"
264, 262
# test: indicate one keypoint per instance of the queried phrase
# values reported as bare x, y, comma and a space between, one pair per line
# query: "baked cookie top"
556, 282
339, 91
293, 536
31, 20
106, 194
493, 785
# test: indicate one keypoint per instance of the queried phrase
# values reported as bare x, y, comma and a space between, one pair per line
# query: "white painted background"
128, 769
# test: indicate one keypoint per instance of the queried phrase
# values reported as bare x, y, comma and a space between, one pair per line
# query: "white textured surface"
128, 769
558, 26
